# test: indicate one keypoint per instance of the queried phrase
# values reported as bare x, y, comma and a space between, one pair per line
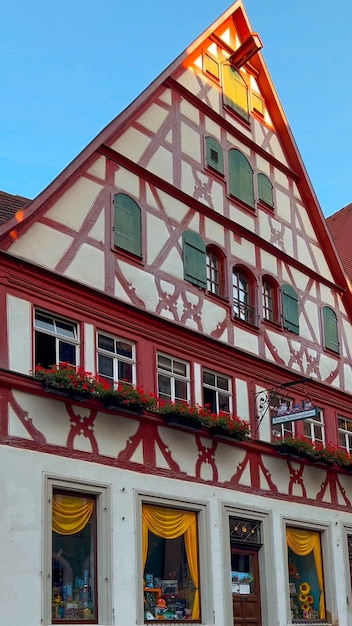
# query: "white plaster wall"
22, 535
41, 244
153, 118
127, 182
19, 325
88, 266
132, 144
74, 205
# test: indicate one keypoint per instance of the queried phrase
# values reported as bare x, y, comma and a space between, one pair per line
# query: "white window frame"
173, 376
312, 425
116, 358
218, 390
347, 434
58, 336
103, 544
204, 560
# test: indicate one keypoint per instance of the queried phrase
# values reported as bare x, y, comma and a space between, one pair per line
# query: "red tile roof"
340, 226
10, 204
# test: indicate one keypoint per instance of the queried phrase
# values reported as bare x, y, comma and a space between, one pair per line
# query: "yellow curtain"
70, 514
169, 524
302, 543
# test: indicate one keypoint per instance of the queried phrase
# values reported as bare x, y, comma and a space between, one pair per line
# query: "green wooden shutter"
194, 259
331, 340
240, 178
235, 91
214, 154
265, 189
290, 309
127, 224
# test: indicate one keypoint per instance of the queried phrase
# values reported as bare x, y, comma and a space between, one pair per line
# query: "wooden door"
245, 586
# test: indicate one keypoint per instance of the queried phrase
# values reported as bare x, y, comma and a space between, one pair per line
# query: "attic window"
211, 66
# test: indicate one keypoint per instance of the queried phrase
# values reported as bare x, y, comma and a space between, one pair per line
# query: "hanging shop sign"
285, 413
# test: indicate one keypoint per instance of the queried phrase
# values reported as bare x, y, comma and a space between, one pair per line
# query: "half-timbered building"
184, 253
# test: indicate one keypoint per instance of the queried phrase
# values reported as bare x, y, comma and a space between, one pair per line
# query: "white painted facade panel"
19, 322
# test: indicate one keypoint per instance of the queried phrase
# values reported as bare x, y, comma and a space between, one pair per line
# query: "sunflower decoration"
303, 597
304, 588
305, 606
310, 599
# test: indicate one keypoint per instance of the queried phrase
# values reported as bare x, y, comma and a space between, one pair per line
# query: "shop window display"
305, 575
170, 559
73, 558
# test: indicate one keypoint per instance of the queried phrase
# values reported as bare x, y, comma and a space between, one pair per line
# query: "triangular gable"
236, 15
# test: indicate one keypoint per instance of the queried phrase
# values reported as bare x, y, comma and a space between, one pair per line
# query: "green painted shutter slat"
331, 340
241, 178
265, 189
127, 224
214, 154
194, 259
235, 91
290, 309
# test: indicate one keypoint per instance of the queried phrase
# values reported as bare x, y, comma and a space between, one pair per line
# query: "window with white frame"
314, 429
344, 426
173, 378
55, 340
116, 359
216, 392
78, 569
174, 561
281, 404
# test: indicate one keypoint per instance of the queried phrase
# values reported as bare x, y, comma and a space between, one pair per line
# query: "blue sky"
70, 66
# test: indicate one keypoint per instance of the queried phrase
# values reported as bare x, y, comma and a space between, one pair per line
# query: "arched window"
243, 295
241, 177
194, 259
235, 91
331, 338
265, 189
215, 271
214, 156
290, 309
127, 224
269, 299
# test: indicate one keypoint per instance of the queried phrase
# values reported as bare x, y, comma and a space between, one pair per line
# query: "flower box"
114, 402
221, 433
183, 421
72, 394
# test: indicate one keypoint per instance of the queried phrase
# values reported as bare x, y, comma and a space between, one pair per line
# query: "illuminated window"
173, 378
305, 574
211, 66
344, 426
55, 340
243, 295
170, 552
240, 177
77, 554
116, 359
235, 91
216, 392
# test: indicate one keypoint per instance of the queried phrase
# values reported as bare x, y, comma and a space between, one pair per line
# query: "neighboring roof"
10, 204
340, 226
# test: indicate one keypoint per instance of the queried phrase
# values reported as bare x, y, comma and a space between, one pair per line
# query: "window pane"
208, 378
125, 371
180, 368
66, 329
124, 349
222, 382
164, 362
224, 403
45, 353
73, 558
164, 386
106, 343
67, 353
43, 321
305, 573
180, 390
105, 366
209, 399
